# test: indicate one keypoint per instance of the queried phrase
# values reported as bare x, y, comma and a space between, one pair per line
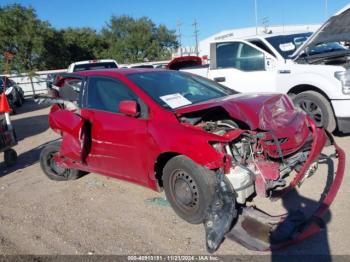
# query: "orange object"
4, 105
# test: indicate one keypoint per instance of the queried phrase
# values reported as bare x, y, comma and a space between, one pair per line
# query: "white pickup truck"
92, 65
314, 69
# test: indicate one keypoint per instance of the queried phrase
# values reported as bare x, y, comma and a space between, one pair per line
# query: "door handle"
220, 79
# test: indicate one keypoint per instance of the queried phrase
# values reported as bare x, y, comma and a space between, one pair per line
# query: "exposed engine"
259, 162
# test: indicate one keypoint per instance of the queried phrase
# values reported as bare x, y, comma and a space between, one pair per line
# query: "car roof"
118, 71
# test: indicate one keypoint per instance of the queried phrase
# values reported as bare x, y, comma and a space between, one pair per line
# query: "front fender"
191, 142
322, 79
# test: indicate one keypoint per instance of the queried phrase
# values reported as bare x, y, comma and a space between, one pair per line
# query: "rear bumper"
343, 124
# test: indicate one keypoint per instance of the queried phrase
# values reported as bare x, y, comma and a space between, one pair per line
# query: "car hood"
335, 29
259, 111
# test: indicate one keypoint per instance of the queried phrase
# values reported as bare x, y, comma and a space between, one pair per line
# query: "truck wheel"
189, 188
51, 169
317, 107
10, 157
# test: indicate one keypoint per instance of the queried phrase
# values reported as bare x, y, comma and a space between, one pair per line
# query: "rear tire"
317, 107
189, 188
50, 168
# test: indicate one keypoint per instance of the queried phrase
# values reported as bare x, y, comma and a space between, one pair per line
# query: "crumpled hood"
335, 29
259, 111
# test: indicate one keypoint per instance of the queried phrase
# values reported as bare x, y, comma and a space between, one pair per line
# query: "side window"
226, 54
251, 59
105, 94
69, 89
240, 56
262, 45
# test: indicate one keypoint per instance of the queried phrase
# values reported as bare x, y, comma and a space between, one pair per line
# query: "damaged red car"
210, 149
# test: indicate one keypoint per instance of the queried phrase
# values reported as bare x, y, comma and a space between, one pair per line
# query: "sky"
211, 16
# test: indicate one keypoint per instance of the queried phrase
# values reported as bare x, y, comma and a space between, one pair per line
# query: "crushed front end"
267, 162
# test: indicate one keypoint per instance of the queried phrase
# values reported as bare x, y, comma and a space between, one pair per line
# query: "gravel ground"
101, 215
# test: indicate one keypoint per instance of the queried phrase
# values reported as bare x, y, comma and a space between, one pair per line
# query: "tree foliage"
137, 40
23, 35
72, 44
36, 45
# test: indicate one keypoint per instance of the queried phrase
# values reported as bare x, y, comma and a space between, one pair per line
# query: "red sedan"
209, 148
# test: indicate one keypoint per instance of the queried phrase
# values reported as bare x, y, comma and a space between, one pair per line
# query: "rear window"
95, 66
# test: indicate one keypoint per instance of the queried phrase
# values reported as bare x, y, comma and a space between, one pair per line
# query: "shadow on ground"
24, 160
32, 105
315, 248
30, 126
340, 134
257, 230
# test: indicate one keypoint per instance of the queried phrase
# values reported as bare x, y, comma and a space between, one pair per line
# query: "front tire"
189, 188
51, 169
317, 107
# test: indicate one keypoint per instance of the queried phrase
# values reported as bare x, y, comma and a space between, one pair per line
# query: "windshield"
94, 66
287, 44
173, 89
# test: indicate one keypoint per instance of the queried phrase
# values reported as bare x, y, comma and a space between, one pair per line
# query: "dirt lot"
101, 215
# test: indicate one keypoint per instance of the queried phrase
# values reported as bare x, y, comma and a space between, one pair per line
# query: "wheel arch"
305, 87
331, 121
159, 165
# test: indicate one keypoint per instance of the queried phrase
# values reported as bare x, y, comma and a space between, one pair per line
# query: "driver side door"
243, 67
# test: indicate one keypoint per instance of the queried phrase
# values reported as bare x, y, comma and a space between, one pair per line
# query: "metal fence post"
33, 89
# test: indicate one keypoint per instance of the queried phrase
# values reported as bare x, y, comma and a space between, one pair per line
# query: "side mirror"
129, 108
270, 63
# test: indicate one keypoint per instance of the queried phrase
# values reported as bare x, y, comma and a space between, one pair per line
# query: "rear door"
243, 67
65, 117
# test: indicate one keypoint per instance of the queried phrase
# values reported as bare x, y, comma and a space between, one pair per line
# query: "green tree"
137, 40
38, 46
23, 34
82, 43
70, 45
